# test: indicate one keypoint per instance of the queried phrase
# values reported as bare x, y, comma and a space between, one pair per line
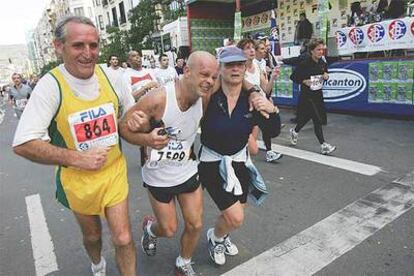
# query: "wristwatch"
254, 88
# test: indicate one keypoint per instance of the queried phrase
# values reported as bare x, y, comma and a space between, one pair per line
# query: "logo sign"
397, 29
375, 32
356, 35
412, 28
340, 38
343, 84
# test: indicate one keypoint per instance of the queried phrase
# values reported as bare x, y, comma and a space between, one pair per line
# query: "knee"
195, 226
168, 230
234, 220
122, 239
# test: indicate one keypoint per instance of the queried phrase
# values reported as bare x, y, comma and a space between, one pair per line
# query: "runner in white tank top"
169, 172
174, 164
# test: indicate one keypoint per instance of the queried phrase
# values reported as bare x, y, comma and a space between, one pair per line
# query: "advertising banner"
386, 35
382, 87
256, 22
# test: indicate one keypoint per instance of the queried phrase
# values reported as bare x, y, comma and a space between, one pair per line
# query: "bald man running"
170, 169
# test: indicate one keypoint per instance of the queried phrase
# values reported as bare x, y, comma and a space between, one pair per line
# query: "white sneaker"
101, 270
216, 249
273, 156
293, 137
231, 248
327, 148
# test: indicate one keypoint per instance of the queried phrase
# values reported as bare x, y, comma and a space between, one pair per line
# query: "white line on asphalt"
344, 164
42, 245
332, 161
316, 247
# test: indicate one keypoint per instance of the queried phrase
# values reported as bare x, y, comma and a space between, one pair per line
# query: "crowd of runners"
78, 112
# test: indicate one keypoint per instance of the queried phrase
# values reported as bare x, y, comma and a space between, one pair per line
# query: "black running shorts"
165, 194
211, 180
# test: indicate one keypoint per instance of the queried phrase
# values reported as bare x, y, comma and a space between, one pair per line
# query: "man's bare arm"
151, 106
45, 153
144, 89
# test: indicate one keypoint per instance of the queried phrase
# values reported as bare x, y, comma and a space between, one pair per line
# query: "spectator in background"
113, 71
304, 30
179, 68
165, 74
33, 81
140, 79
125, 65
396, 9
153, 63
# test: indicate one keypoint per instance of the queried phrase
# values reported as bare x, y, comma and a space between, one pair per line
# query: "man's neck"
18, 86
114, 67
185, 97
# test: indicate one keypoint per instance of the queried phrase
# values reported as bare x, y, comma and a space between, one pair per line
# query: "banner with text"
386, 35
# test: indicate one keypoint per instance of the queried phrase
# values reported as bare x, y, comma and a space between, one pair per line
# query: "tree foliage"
142, 19
117, 45
47, 67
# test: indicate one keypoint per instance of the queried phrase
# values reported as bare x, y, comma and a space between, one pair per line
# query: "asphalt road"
302, 194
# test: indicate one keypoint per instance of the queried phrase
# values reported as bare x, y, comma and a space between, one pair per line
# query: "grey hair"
60, 31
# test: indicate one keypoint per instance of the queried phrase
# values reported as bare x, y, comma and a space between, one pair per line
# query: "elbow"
19, 150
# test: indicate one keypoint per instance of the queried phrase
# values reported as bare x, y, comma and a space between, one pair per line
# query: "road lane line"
332, 161
42, 245
336, 162
316, 247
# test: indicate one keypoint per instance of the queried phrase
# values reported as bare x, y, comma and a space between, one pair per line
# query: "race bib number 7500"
178, 151
94, 127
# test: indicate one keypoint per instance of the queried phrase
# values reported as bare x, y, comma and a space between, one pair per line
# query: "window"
114, 17
122, 16
79, 11
109, 18
101, 22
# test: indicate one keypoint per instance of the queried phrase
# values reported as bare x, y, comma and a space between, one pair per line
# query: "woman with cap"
258, 77
225, 168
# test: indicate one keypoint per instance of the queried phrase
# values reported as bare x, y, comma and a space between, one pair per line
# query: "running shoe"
101, 271
272, 155
216, 249
293, 137
184, 270
231, 248
148, 243
327, 148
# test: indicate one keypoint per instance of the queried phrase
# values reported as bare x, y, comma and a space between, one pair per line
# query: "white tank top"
253, 78
172, 165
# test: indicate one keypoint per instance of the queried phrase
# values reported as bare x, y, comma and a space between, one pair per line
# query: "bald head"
199, 58
200, 74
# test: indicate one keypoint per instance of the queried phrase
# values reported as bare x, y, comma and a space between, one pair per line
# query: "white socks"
180, 261
100, 266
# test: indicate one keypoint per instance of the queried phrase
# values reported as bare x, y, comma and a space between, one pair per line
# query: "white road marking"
331, 161
340, 163
42, 245
316, 247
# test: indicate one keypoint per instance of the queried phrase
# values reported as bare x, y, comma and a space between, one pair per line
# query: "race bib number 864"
95, 127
